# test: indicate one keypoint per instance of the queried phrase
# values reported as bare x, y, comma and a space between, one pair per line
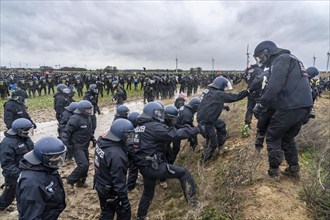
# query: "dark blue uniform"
12, 150
61, 100
40, 192
13, 109
289, 89
110, 164
149, 153
77, 135
208, 113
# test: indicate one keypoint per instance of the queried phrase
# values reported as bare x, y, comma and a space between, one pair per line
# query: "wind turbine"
247, 56
314, 58
328, 61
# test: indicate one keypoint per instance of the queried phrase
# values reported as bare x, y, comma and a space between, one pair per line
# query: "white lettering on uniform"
140, 129
99, 151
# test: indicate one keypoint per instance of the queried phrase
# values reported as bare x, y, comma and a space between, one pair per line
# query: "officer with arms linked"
288, 87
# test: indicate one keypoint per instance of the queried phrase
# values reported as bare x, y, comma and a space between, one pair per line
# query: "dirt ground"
265, 198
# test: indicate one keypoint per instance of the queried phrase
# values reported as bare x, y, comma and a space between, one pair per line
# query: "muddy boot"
81, 185
292, 171
259, 142
274, 173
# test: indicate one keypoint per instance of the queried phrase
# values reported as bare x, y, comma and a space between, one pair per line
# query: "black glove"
193, 142
202, 130
124, 203
226, 107
258, 110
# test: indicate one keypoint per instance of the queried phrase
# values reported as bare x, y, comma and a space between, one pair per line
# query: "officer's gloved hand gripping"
202, 130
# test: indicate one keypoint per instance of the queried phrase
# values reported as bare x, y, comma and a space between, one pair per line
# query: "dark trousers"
8, 196
165, 171
282, 129
133, 172
249, 111
215, 137
79, 174
262, 125
109, 209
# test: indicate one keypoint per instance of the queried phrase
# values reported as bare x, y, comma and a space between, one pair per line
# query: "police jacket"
12, 150
93, 98
78, 131
152, 135
213, 102
288, 85
110, 164
64, 119
251, 73
119, 94
40, 194
60, 101
186, 116
13, 109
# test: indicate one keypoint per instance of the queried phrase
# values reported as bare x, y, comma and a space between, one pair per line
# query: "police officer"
133, 170
12, 149
186, 118
119, 94
150, 137
40, 192
92, 96
288, 86
110, 165
77, 135
61, 100
213, 99
249, 75
15, 108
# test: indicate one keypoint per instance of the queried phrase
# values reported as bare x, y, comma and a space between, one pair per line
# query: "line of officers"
140, 142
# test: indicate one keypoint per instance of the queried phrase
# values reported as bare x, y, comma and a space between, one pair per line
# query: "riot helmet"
84, 107
49, 151
312, 72
132, 118
121, 130
263, 52
62, 88
93, 88
171, 115
20, 127
154, 110
194, 103
72, 107
221, 83
19, 95
122, 111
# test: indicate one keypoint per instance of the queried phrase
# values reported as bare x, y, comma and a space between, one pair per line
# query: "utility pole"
328, 61
212, 65
176, 64
9, 65
247, 56
314, 58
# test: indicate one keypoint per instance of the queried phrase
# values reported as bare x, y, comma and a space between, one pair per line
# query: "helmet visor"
262, 57
23, 132
129, 137
89, 111
95, 90
159, 114
54, 161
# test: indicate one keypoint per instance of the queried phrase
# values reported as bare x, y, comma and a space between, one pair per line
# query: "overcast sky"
151, 34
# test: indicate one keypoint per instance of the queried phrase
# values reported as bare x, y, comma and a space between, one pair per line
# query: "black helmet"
122, 111
154, 110
194, 103
312, 72
72, 107
85, 107
221, 83
263, 52
93, 88
132, 118
21, 127
171, 115
19, 94
49, 151
62, 88
121, 130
